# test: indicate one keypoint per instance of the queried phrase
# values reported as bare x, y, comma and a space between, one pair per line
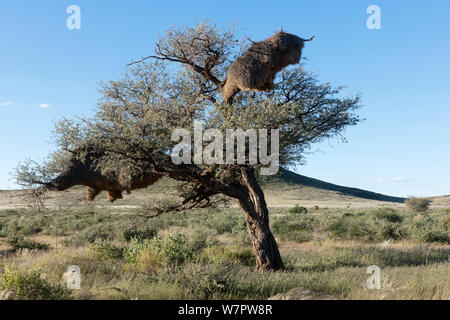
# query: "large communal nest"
84, 171
256, 69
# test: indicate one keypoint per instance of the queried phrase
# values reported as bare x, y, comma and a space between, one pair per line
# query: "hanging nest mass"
256, 69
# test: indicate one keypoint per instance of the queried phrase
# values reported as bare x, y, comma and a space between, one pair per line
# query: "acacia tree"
127, 144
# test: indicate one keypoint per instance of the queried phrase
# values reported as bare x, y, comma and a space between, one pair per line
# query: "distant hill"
293, 179
286, 189
443, 201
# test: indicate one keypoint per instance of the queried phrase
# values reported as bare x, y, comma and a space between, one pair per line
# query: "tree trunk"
254, 207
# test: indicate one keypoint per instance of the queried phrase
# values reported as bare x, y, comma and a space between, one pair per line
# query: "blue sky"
402, 72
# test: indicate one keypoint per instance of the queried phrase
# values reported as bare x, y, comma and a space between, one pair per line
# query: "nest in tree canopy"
256, 69
84, 172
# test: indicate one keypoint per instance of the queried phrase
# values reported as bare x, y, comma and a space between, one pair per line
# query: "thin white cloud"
393, 179
44, 105
6, 103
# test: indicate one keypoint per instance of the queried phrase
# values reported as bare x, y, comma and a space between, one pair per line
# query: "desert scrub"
437, 236
229, 255
205, 281
417, 204
173, 247
19, 242
29, 285
428, 229
298, 228
21, 225
382, 224
97, 232
143, 257
107, 250
388, 214
172, 250
298, 210
139, 233
444, 222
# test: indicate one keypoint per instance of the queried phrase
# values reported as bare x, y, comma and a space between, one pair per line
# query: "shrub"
199, 240
388, 214
437, 236
174, 248
444, 223
95, 233
351, 226
143, 257
29, 285
223, 223
146, 233
298, 229
152, 255
150, 260
18, 242
298, 210
107, 250
230, 255
392, 231
206, 281
417, 204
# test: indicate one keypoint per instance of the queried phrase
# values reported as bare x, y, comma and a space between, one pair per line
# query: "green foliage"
437, 236
95, 233
192, 264
205, 281
171, 250
230, 254
29, 285
444, 222
107, 250
388, 214
145, 233
417, 204
14, 225
174, 248
199, 240
18, 242
295, 228
298, 210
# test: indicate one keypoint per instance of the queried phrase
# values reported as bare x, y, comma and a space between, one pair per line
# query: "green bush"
18, 242
388, 214
222, 223
294, 228
444, 223
392, 231
351, 226
199, 240
437, 236
95, 233
298, 210
107, 250
29, 285
417, 204
230, 255
206, 281
172, 250
142, 234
